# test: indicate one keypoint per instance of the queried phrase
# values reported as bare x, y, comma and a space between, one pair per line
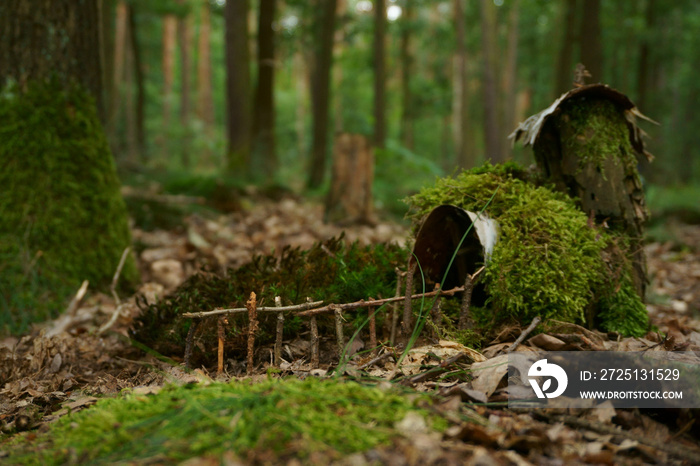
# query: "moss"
62, 219
283, 418
548, 261
599, 133
332, 271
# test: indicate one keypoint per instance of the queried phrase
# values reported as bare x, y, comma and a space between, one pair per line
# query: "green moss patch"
282, 418
549, 261
62, 219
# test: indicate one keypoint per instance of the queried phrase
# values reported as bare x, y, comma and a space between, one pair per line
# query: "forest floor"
67, 364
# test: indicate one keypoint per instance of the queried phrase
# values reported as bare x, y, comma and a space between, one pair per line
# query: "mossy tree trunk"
585, 151
62, 219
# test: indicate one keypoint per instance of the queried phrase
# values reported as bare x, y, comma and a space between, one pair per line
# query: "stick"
279, 335
407, 311
221, 333
189, 342
252, 329
373, 361
377, 302
314, 343
339, 330
395, 308
297, 307
372, 331
118, 272
525, 333
77, 299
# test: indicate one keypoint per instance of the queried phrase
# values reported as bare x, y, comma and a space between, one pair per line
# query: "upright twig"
465, 320
77, 299
280, 330
372, 330
339, 330
407, 310
221, 333
252, 330
395, 307
314, 341
117, 273
189, 342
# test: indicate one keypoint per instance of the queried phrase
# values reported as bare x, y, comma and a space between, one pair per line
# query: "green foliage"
331, 271
276, 417
62, 219
548, 261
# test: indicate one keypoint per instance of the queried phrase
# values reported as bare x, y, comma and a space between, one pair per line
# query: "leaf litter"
47, 377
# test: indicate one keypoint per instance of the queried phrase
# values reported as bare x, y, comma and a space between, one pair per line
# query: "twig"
373, 361
252, 329
407, 311
339, 330
377, 302
280, 332
395, 308
372, 331
525, 333
189, 342
436, 312
297, 307
314, 342
115, 279
77, 299
465, 320
221, 333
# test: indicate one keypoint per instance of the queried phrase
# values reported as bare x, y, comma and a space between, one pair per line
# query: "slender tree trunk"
321, 92
463, 133
406, 58
131, 154
140, 104
591, 45
565, 65
492, 129
117, 81
301, 80
338, 72
643, 71
184, 38
379, 73
107, 34
238, 87
169, 41
205, 100
264, 106
510, 74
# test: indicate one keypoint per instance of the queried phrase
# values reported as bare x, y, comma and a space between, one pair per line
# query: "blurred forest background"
257, 90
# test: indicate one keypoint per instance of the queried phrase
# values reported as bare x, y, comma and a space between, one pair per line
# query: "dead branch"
524, 335
377, 302
372, 331
280, 332
117, 273
77, 299
252, 330
189, 342
296, 307
339, 330
465, 320
407, 311
395, 307
314, 342
221, 333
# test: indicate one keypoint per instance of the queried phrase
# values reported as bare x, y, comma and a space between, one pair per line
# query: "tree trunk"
62, 218
510, 73
264, 106
338, 42
591, 45
643, 70
379, 73
117, 90
406, 59
321, 79
492, 129
461, 126
107, 35
565, 66
169, 41
184, 39
140, 104
350, 196
205, 100
238, 87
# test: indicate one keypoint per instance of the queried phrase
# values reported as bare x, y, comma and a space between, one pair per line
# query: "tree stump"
350, 196
588, 145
